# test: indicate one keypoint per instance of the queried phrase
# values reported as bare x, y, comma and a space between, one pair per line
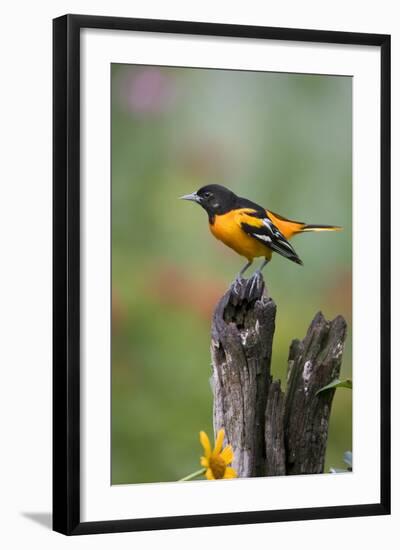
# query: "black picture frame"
66, 273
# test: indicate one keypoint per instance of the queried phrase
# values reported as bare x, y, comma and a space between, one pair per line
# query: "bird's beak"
192, 197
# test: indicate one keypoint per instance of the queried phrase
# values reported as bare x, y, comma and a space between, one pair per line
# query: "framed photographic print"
224, 358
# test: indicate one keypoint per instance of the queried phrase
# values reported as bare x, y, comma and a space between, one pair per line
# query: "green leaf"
337, 384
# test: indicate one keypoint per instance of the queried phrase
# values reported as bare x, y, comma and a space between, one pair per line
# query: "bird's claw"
236, 285
257, 284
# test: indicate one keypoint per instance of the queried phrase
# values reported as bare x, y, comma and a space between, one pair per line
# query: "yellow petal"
206, 444
227, 454
209, 474
219, 441
230, 473
204, 462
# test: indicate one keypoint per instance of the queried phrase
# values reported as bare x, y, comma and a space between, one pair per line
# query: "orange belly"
226, 228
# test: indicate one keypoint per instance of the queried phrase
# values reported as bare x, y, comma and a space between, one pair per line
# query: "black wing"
269, 234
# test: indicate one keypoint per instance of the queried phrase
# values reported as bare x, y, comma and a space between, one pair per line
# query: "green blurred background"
283, 140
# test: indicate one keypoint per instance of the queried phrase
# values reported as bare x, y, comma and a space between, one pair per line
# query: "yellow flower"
216, 461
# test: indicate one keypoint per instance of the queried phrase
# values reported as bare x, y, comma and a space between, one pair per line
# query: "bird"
248, 228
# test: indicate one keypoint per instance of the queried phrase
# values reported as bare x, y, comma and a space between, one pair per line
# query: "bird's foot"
257, 285
237, 283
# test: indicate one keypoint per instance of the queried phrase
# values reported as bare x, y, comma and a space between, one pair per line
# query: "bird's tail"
308, 228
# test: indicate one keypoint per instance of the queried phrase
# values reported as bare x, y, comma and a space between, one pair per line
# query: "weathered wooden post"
272, 433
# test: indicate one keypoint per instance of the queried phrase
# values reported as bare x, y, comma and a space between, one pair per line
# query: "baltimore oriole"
249, 229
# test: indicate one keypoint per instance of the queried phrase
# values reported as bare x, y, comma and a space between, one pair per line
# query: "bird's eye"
207, 194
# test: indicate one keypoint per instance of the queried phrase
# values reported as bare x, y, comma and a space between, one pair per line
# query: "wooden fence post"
272, 433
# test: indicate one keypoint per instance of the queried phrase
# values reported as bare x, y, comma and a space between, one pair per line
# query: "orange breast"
227, 229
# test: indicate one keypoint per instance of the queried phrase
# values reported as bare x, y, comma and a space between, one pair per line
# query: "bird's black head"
215, 199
